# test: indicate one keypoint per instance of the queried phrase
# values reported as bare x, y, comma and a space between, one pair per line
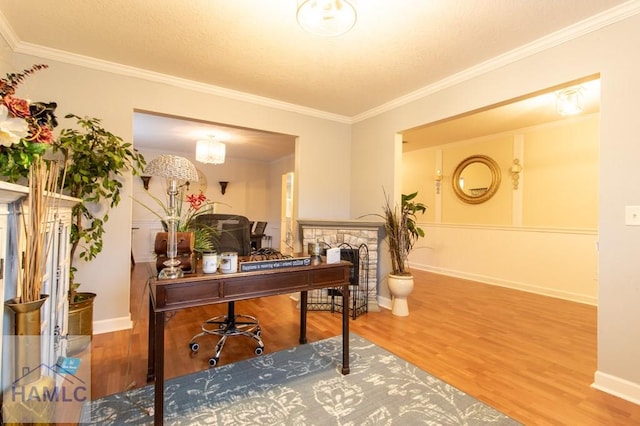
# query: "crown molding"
574, 31
591, 24
115, 68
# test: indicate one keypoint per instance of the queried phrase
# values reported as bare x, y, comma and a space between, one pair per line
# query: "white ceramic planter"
400, 287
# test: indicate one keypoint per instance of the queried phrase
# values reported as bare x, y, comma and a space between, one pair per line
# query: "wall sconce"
515, 171
570, 101
223, 187
438, 180
145, 181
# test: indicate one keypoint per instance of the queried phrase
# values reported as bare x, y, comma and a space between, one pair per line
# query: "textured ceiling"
256, 47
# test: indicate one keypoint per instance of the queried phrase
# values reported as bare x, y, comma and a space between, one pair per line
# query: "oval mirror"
476, 179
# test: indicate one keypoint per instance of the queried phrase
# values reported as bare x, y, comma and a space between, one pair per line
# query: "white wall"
611, 51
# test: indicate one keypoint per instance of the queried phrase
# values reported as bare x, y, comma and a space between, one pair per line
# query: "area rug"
303, 386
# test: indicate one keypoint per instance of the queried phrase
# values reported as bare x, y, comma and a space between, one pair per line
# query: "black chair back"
260, 228
233, 232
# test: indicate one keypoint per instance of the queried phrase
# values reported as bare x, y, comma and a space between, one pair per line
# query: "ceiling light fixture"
327, 18
210, 151
570, 101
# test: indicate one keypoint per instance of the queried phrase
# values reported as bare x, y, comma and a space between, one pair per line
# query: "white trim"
112, 324
578, 231
616, 386
385, 302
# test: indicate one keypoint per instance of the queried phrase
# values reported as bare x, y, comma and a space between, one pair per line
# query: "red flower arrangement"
198, 204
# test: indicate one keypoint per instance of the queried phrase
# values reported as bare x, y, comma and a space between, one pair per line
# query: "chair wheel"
194, 346
259, 350
213, 362
258, 332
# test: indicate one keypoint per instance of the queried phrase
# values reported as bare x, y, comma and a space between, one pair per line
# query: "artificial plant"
96, 160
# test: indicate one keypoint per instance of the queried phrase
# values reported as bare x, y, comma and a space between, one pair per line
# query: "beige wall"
560, 178
611, 51
540, 237
558, 187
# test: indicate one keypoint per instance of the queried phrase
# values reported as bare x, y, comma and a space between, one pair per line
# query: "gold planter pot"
80, 323
27, 323
25, 402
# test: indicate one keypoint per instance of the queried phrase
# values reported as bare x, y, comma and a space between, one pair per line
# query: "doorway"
526, 236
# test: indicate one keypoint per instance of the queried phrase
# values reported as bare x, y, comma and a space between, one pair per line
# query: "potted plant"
95, 160
26, 134
402, 233
197, 204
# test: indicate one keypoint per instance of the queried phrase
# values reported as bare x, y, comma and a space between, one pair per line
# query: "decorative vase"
400, 287
25, 401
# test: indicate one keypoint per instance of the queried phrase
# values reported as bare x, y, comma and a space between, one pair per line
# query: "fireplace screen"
331, 299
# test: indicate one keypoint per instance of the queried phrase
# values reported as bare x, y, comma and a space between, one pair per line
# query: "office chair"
233, 236
257, 234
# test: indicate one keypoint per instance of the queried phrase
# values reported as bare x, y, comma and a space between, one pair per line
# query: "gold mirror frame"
490, 190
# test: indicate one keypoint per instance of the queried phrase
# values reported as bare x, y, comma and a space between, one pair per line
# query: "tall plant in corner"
96, 160
402, 230
402, 234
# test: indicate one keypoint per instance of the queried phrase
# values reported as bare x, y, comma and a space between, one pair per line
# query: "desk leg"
345, 329
150, 352
303, 317
158, 409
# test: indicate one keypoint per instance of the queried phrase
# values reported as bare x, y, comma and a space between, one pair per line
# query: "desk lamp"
177, 171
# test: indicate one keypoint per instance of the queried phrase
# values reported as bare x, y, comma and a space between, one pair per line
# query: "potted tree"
402, 233
95, 161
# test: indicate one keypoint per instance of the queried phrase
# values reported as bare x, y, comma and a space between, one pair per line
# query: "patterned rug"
303, 386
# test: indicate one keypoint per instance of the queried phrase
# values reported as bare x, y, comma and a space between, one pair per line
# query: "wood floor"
531, 357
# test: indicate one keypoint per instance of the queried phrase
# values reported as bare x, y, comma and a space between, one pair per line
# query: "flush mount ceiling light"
570, 101
210, 151
327, 18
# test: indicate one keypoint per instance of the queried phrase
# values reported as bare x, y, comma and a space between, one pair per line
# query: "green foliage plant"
96, 160
198, 204
402, 230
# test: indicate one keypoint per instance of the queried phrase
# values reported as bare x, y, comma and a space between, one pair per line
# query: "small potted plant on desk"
95, 160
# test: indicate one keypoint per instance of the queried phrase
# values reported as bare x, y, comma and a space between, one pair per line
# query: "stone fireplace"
353, 232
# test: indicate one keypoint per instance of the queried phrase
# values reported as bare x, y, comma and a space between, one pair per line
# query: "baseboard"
616, 386
113, 324
145, 259
384, 302
573, 297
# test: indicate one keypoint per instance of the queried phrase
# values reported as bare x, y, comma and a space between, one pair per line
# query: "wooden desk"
202, 289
